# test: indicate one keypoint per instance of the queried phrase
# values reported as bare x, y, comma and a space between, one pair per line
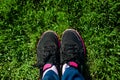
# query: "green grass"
22, 22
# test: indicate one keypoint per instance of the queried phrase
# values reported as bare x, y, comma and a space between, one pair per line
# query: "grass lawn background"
22, 22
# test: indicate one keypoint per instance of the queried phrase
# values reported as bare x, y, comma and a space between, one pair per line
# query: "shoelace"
72, 50
48, 51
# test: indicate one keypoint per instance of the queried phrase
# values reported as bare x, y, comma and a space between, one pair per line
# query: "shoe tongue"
73, 64
46, 66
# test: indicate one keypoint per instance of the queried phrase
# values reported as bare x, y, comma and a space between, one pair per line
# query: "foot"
48, 51
72, 49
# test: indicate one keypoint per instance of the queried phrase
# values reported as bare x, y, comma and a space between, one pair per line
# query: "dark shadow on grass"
86, 69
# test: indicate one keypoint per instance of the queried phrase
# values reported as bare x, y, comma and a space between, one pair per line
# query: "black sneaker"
48, 51
72, 49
